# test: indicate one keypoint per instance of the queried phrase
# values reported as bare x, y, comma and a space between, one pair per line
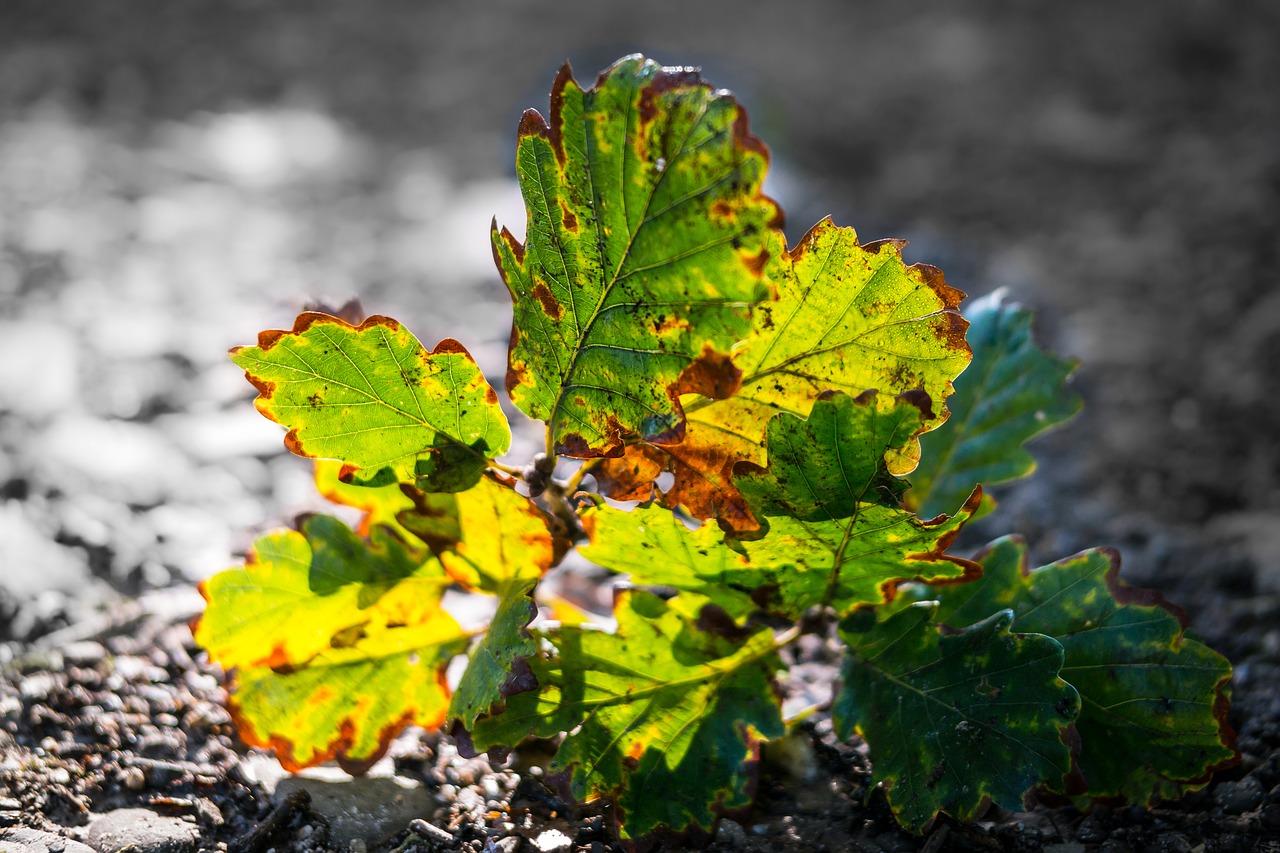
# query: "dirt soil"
174, 178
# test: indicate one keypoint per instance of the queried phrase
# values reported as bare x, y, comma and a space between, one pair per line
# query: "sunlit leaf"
298, 590
952, 720
349, 702
848, 317
488, 537
335, 642
645, 249
1012, 393
380, 504
664, 720
372, 397
835, 532
1153, 714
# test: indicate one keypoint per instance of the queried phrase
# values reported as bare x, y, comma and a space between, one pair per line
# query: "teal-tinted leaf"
664, 720
952, 720
1012, 392
1154, 701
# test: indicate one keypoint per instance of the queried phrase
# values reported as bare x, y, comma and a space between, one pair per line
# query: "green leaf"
835, 532
657, 549
298, 590
645, 252
849, 318
952, 720
374, 398
664, 720
489, 537
1154, 701
335, 642
499, 664
1012, 393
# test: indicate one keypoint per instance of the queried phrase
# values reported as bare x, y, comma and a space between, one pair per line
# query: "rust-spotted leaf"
836, 533
664, 720
1154, 700
645, 252
372, 397
335, 642
488, 537
849, 317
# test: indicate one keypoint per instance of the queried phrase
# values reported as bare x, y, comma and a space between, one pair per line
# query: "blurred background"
175, 177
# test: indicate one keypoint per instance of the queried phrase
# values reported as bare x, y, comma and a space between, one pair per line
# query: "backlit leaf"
835, 532
952, 720
645, 250
335, 642
1153, 714
488, 537
298, 590
848, 317
348, 703
1012, 392
380, 504
372, 397
663, 719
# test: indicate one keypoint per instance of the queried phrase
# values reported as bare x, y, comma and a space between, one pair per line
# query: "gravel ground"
204, 171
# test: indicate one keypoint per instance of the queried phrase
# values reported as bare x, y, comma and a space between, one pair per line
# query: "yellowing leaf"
1154, 701
952, 720
834, 533
849, 318
488, 537
298, 590
373, 398
349, 702
380, 504
335, 642
645, 249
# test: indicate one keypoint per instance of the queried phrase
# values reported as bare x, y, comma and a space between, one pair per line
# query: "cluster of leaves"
662, 326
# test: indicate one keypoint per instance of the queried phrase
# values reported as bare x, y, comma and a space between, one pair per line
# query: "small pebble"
1239, 797
134, 779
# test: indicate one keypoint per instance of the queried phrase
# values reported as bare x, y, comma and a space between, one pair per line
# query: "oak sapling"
663, 326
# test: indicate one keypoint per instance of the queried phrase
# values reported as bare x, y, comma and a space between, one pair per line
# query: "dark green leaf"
952, 720
1154, 701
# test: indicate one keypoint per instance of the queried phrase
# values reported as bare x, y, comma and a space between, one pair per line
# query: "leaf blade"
1153, 717
374, 398
645, 230
1013, 392
991, 711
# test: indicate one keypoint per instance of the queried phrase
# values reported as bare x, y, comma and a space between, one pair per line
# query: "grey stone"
33, 841
363, 809
141, 831
1239, 797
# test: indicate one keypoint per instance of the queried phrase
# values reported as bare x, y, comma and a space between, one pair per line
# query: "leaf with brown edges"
644, 256
372, 397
